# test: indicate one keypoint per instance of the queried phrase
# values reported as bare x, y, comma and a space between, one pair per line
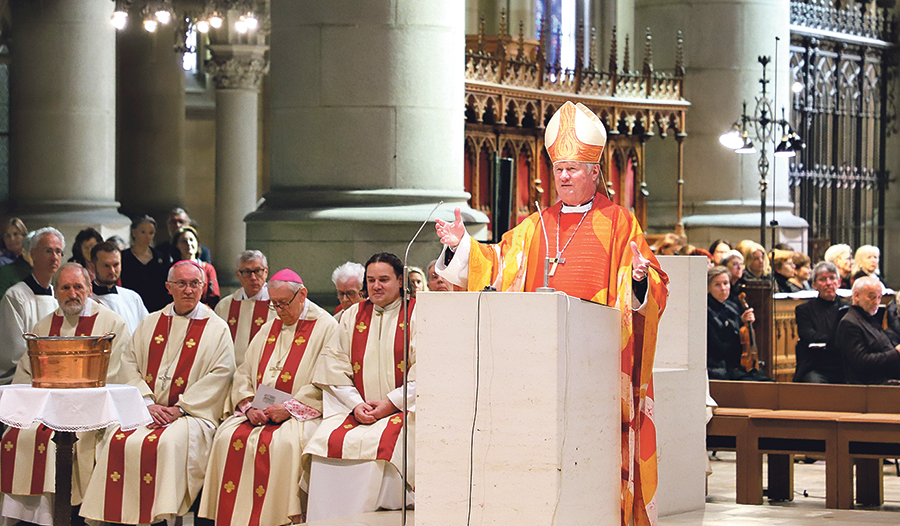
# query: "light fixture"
150, 25
119, 19
202, 26
797, 87
215, 20
241, 26
746, 145
251, 21
784, 148
164, 16
732, 138
797, 143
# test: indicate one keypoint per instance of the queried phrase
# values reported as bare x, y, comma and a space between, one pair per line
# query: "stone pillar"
367, 133
237, 71
62, 84
722, 41
150, 144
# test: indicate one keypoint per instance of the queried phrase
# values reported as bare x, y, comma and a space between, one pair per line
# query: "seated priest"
30, 300
28, 457
348, 282
247, 309
106, 260
590, 248
869, 357
255, 459
357, 450
182, 360
818, 359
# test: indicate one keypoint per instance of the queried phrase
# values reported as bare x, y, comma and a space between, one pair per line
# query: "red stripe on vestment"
157, 349
268, 349
336, 439
186, 359
56, 325
358, 344
115, 471
231, 474
234, 317
261, 467
285, 381
149, 454
388, 441
398, 343
85, 325
260, 316
39, 469
8, 459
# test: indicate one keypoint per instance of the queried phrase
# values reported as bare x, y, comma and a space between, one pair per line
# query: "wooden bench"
850, 425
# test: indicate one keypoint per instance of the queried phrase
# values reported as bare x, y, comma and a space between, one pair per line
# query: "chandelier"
201, 15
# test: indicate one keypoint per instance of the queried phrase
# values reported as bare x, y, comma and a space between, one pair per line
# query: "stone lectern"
537, 375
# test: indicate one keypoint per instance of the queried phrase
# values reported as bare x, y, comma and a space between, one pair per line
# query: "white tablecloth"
83, 409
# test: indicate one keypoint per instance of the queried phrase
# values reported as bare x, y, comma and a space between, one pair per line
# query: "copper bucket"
69, 361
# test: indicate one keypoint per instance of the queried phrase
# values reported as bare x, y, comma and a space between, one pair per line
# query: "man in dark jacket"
818, 360
869, 355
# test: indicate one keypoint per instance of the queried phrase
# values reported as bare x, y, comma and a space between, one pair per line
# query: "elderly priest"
182, 360
356, 452
595, 250
255, 474
247, 310
27, 460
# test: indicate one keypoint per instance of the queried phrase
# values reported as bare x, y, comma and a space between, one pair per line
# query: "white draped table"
66, 411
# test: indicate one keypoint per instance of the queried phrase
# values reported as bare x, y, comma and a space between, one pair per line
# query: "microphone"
546, 287
405, 317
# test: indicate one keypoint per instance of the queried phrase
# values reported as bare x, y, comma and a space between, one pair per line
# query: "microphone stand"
405, 314
546, 287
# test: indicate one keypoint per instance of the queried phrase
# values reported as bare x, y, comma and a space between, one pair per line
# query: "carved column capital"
237, 66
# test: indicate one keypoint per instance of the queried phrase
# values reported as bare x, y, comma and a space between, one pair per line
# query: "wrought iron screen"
839, 56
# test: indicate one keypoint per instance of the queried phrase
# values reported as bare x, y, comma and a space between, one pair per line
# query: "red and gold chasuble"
258, 319
597, 268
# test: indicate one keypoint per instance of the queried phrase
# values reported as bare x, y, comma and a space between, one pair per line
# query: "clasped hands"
162, 415
275, 413
372, 411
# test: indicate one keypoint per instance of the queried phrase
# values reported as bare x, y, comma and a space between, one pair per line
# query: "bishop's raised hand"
639, 264
451, 233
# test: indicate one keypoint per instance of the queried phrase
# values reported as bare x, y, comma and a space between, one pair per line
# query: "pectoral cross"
556, 261
165, 378
275, 368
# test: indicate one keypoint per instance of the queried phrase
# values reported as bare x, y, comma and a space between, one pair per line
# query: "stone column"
150, 135
367, 132
722, 41
62, 84
237, 71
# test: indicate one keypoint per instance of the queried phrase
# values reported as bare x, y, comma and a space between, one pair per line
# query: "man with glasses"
818, 360
348, 281
255, 458
30, 300
247, 310
182, 360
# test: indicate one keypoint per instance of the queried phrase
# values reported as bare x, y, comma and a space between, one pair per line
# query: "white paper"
266, 396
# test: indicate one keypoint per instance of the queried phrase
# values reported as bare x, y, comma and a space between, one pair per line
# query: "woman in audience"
669, 245
11, 245
723, 326
719, 249
865, 263
144, 270
187, 241
842, 257
755, 261
802, 271
84, 242
417, 281
783, 265
734, 262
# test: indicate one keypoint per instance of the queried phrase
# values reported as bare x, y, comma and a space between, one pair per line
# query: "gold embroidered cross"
402, 324
300, 340
361, 327
286, 376
262, 449
148, 478
190, 343
159, 339
400, 365
115, 476
238, 445
260, 491
259, 377
8, 445
348, 426
151, 438
232, 321
179, 381
149, 378
41, 448
259, 321
396, 420
120, 436
356, 367
229, 486
272, 339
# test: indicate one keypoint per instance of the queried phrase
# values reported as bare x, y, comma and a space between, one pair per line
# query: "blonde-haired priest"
592, 249
255, 474
28, 456
182, 360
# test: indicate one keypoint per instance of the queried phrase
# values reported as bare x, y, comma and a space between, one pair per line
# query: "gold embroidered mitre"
575, 133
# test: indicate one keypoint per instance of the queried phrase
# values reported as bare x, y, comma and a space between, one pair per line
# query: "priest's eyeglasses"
247, 272
181, 285
274, 305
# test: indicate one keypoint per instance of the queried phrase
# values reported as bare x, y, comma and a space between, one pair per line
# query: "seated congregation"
265, 410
